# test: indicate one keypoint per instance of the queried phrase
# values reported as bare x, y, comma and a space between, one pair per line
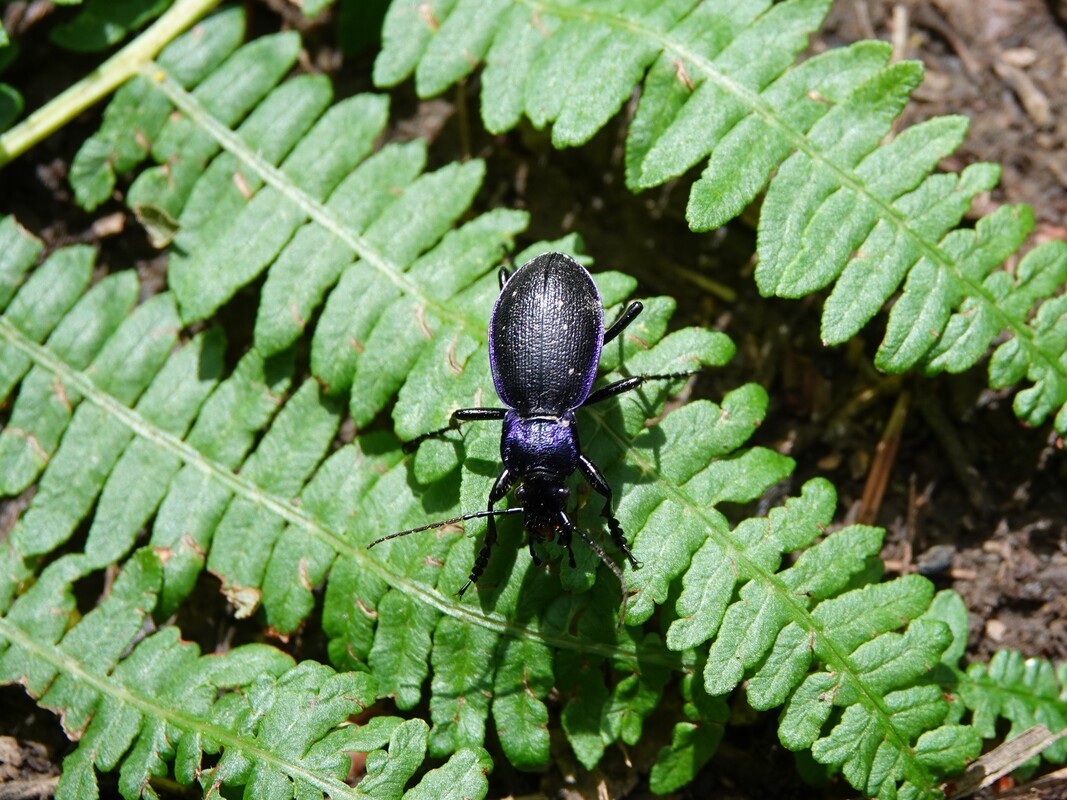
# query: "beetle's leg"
629, 384
503, 276
566, 532
596, 480
496, 494
533, 555
628, 315
458, 417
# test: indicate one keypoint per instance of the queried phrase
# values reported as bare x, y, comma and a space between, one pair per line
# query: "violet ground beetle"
546, 334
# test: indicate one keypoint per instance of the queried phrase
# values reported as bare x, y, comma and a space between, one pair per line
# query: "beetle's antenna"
443, 522
596, 548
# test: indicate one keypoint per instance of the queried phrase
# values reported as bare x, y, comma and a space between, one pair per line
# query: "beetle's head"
543, 498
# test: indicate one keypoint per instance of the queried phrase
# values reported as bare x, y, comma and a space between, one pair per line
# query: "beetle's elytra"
546, 334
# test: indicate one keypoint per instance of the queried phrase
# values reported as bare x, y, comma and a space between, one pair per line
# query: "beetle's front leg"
459, 416
496, 494
566, 534
624, 385
596, 480
628, 315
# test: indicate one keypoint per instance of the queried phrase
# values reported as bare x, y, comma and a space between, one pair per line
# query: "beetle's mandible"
546, 334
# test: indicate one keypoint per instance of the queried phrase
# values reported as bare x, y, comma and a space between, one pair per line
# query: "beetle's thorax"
541, 451
540, 445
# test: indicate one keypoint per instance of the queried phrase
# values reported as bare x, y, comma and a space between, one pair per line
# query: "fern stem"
246, 488
102, 81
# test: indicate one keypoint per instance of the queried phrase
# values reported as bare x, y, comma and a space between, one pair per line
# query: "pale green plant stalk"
102, 81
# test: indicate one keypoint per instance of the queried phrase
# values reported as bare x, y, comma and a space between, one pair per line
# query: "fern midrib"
846, 178
315, 210
834, 658
70, 666
248, 490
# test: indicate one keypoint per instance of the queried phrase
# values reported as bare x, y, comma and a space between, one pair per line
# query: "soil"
926, 458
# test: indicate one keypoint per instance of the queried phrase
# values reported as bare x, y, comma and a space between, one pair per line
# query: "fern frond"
93, 441
1025, 691
140, 702
846, 208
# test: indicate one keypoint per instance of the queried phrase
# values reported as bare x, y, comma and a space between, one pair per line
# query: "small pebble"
995, 630
937, 560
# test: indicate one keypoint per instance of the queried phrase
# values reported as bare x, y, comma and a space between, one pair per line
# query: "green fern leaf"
313, 261
42, 302
876, 271
94, 441
298, 563
224, 432
713, 105
693, 741
140, 477
41, 413
462, 684
522, 682
252, 240
1025, 691
138, 703
280, 465
930, 294
228, 93
581, 680
743, 161
18, 252
845, 208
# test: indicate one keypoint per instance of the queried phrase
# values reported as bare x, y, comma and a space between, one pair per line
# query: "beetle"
546, 334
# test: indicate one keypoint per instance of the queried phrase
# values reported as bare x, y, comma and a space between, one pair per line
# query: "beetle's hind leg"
496, 494
458, 417
596, 480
